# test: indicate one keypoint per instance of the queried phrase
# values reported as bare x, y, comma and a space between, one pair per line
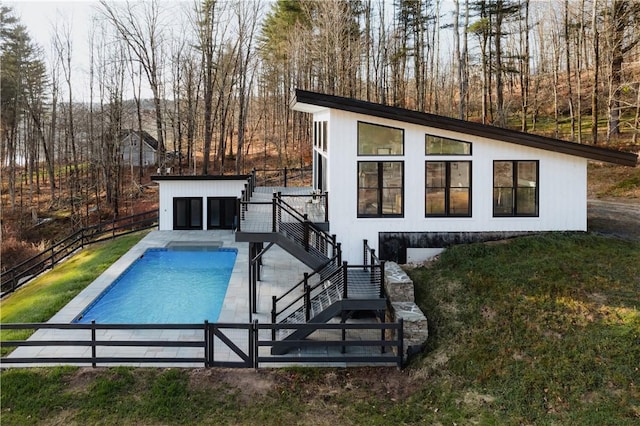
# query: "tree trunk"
500, 113
596, 73
568, 69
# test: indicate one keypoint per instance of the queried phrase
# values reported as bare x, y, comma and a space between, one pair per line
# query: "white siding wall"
195, 188
562, 183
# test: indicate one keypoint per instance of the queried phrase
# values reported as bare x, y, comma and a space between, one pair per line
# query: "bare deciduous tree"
140, 27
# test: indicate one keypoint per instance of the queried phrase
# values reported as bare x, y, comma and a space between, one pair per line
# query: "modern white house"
408, 182
130, 141
412, 183
388, 184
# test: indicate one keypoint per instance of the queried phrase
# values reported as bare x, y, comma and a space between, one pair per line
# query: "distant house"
412, 183
130, 148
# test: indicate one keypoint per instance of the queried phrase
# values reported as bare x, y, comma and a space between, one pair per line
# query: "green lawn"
44, 296
546, 327
534, 330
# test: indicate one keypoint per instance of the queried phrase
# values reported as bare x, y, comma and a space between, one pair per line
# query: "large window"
435, 145
187, 213
221, 212
448, 188
374, 139
515, 188
380, 188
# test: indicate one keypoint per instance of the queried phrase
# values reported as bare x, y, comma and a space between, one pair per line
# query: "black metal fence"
17, 276
300, 176
208, 344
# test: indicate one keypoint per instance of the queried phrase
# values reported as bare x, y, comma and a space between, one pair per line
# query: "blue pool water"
166, 286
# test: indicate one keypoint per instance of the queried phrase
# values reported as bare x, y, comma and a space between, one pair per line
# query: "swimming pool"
166, 286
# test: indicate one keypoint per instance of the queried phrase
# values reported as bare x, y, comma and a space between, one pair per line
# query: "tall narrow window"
321, 135
187, 213
448, 188
380, 188
515, 188
325, 136
374, 139
316, 138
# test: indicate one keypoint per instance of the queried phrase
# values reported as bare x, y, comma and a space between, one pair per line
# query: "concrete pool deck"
279, 272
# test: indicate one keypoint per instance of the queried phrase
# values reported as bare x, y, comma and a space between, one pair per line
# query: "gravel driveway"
616, 218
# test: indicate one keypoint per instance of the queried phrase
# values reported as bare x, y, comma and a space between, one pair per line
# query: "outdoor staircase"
333, 289
268, 218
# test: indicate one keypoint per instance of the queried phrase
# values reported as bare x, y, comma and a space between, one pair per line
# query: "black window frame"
380, 189
447, 189
514, 189
320, 135
427, 135
189, 213
315, 133
325, 135
378, 154
228, 214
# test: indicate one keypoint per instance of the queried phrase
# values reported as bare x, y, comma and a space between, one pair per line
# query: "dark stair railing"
318, 245
297, 226
328, 299
320, 295
370, 259
358, 282
314, 198
320, 274
247, 192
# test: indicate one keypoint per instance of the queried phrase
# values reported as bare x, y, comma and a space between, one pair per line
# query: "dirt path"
617, 218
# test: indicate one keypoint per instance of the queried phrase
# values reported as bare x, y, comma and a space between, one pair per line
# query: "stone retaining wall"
399, 288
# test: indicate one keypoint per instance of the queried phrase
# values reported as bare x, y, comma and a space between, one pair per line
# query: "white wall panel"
562, 184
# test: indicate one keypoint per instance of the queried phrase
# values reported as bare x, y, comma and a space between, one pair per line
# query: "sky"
40, 18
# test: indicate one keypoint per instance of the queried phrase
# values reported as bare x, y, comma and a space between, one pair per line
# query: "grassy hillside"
534, 330
540, 329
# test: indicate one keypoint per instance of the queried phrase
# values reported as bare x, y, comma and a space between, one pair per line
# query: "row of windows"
374, 139
187, 213
447, 188
447, 183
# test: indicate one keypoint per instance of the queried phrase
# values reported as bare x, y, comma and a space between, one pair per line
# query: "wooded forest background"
222, 73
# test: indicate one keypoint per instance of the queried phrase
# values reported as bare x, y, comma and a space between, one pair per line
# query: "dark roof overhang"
304, 98
200, 177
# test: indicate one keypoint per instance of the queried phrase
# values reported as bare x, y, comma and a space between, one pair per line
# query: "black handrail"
308, 293
321, 238
304, 283
49, 257
319, 270
339, 280
321, 197
280, 176
369, 257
